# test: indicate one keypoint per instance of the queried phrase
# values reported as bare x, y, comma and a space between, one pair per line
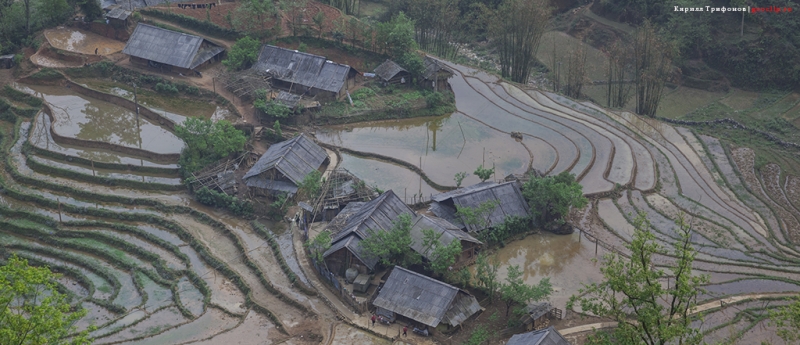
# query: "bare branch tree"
517, 29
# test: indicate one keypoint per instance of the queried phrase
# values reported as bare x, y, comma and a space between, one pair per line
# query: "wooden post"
214, 83
595, 245
93, 167
59, 211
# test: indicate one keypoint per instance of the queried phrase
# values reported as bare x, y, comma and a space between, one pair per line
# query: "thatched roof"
388, 69
511, 202
378, 214
432, 67
300, 68
424, 299
294, 158
168, 47
547, 336
446, 231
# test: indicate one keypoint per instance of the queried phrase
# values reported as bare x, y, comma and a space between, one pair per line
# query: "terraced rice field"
149, 265
746, 222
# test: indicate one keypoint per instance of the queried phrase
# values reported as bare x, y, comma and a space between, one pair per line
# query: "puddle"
565, 259
154, 323
387, 176
211, 323
85, 118
447, 145
80, 41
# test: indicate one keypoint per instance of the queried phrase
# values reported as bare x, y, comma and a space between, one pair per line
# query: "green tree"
551, 197
91, 9
486, 274
413, 63
319, 21
517, 28
319, 245
242, 54
277, 132
440, 256
272, 109
392, 247
483, 173
515, 291
459, 177
633, 292
251, 15
207, 141
311, 185
398, 34
33, 311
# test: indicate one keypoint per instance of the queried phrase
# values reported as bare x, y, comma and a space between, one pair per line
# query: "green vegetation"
319, 245
483, 173
242, 54
272, 109
309, 188
201, 26
207, 142
516, 292
166, 88
486, 274
19, 96
459, 177
392, 247
34, 311
787, 319
479, 217
632, 292
218, 199
441, 257
47, 73
550, 198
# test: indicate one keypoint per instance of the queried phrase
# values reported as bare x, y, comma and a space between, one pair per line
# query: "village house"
424, 300
169, 50
391, 73
507, 195
547, 336
447, 233
304, 73
355, 223
118, 18
285, 164
435, 75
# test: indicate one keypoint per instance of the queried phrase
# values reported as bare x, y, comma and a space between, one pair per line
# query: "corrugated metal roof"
294, 158
432, 66
166, 46
300, 68
417, 297
388, 69
511, 202
118, 13
353, 244
463, 306
378, 214
547, 336
446, 231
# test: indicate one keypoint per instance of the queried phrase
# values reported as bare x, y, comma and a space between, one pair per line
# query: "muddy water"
154, 323
748, 286
157, 295
565, 259
387, 176
124, 321
190, 296
212, 322
42, 138
447, 145
85, 118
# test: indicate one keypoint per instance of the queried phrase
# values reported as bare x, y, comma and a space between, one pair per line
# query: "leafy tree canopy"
441, 256
483, 173
633, 292
242, 54
319, 245
311, 185
516, 292
207, 141
393, 247
551, 197
33, 311
399, 34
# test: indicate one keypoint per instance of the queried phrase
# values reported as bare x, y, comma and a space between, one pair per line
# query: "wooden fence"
344, 294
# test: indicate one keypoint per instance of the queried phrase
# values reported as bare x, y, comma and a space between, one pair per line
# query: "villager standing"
95, 51
373, 320
405, 331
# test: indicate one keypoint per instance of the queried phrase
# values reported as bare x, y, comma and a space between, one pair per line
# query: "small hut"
118, 18
357, 221
391, 73
547, 336
170, 50
435, 75
507, 194
424, 299
7, 61
284, 166
447, 233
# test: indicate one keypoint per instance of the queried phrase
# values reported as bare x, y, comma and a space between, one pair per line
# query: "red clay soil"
312, 8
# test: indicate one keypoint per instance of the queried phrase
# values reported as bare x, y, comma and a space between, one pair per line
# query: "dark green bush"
20, 96
166, 88
47, 74
205, 27
218, 199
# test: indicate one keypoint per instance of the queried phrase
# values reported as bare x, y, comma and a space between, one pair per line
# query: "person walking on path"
95, 51
373, 320
405, 331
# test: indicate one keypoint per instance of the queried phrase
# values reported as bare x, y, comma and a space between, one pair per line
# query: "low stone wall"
151, 156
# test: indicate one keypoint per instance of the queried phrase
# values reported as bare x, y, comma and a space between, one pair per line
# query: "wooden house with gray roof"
508, 196
356, 222
424, 299
435, 74
304, 73
285, 164
170, 50
391, 73
446, 233
547, 336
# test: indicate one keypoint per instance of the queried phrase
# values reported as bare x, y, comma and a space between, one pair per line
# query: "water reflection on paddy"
446, 144
405, 183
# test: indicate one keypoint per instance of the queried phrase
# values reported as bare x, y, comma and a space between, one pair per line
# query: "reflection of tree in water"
434, 126
109, 124
559, 249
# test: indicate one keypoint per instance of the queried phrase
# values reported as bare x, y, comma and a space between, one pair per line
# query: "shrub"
47, 74
362, 94
237, 206
272, 109
208, 28
166, 88
242, 54
20, 96
207, 142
